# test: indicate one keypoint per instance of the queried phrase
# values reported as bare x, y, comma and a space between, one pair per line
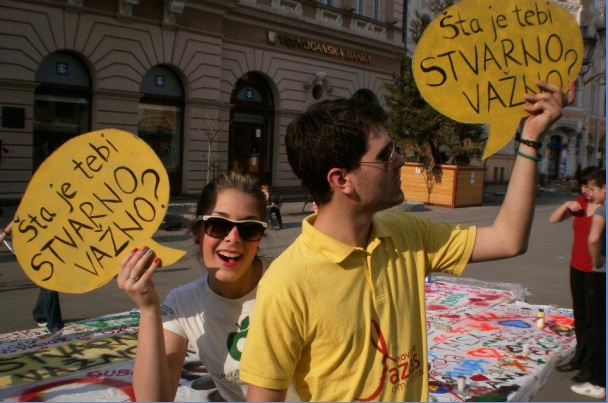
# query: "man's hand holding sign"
477, 58
97, 197
499, 62
473, 68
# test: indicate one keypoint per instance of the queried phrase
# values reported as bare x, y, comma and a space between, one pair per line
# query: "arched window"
366, 95
556, 146
61, 103
161, 120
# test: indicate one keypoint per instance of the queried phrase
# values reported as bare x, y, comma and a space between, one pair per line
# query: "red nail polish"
134, 250
156, 260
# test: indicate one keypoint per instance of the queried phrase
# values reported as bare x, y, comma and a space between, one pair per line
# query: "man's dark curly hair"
330, 134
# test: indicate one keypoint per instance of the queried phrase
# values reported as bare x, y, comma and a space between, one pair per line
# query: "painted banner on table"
476, 59
92, 361
96, 197
492, 343
477, 333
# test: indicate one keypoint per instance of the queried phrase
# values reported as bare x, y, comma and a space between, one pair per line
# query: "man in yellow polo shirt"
341, 313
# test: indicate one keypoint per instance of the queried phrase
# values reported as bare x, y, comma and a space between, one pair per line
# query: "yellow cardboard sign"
475, 60
94, 199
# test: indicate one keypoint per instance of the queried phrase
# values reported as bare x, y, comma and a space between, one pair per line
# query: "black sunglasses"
392, 158
219, 227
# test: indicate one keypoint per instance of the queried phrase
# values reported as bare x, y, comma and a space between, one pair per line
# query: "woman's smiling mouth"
229, 258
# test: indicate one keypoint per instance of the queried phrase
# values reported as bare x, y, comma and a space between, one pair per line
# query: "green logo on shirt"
235, 337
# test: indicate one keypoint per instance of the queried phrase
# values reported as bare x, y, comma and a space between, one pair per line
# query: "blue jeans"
47, 310
277, 213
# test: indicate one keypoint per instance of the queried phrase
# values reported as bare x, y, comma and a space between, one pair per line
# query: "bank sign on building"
209, 85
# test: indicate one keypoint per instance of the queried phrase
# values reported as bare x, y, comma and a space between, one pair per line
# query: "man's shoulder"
401, 216
403, 221
292, 264
296, 254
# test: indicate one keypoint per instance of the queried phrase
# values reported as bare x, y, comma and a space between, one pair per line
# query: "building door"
61, 104
251, 138
160, 121
555, 151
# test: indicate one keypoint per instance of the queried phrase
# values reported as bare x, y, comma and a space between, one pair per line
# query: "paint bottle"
540, 319
461, 383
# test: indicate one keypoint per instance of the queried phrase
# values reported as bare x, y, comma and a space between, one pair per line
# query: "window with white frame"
375, 9
360, 8
369, 8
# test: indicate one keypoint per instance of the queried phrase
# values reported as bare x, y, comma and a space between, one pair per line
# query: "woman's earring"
197, 241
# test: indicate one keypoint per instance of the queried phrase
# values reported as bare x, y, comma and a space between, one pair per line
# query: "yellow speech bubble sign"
475, 60
94, 199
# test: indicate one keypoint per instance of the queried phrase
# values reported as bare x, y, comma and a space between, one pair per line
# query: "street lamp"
589, 41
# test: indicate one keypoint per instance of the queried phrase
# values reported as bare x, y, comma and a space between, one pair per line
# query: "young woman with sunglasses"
211, 313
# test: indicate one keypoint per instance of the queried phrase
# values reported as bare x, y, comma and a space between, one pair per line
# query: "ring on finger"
134, 277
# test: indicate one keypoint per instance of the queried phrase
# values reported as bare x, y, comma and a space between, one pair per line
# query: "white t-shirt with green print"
216, 327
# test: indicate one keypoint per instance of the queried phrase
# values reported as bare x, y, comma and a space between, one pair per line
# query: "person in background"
212, 314
581, 266
342, 310
596, 336
313, 207
47, 311
273, 205
6, 231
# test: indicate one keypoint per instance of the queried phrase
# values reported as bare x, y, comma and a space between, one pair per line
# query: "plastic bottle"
461, 383
540, 319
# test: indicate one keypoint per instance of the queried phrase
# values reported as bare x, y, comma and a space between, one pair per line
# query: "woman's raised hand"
135, 276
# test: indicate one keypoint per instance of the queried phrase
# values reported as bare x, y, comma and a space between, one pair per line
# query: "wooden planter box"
460, 186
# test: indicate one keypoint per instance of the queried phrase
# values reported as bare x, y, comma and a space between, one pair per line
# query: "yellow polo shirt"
349, 323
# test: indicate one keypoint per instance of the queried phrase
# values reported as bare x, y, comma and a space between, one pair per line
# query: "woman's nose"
233, 235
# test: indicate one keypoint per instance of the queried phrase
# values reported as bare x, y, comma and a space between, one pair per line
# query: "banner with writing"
92, 361
475, 60
482, 346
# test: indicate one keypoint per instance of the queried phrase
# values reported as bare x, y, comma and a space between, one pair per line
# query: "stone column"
571, 168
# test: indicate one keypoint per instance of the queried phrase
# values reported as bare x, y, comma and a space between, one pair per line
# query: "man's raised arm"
508, 235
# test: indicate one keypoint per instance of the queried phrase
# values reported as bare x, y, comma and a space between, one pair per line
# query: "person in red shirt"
581, 266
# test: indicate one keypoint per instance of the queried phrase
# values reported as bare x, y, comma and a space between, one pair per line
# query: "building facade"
209, 84
578, 139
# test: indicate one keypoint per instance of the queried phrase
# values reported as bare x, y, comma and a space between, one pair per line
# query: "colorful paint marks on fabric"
475, 332
485, 344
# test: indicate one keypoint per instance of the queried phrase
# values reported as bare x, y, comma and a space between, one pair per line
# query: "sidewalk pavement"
543, 270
